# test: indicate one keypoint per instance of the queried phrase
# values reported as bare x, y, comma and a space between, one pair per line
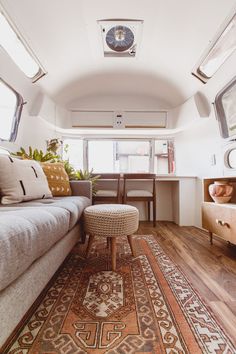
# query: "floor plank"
211, 269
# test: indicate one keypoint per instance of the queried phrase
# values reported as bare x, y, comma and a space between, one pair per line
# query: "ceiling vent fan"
120, 38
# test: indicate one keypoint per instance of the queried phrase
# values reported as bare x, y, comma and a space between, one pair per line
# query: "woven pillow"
57, 177
21, 180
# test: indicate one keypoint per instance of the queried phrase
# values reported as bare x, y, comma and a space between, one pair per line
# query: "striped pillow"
57, 177
22, 180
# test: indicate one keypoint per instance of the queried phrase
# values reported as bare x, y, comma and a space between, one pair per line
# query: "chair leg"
154, 213
211, 237
130, 239
148, 203
90, 241
113, 253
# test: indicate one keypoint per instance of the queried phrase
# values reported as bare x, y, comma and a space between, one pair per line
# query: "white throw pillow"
22, 180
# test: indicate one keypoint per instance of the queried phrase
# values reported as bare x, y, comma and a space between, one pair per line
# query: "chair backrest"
143, 196
140, 176
108, 175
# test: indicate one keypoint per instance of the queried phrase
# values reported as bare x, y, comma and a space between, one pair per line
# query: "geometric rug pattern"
146, 306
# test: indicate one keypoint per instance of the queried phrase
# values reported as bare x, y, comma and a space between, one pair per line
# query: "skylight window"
222, 48
18, 52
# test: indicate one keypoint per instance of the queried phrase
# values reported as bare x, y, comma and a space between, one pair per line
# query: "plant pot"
221, 191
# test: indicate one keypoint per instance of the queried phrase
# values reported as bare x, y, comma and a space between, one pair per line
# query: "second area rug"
146, 306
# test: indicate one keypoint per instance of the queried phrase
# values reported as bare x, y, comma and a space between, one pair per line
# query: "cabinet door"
217, 219
233, 226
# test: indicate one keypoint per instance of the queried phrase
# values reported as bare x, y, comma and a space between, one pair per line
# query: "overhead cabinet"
118, 119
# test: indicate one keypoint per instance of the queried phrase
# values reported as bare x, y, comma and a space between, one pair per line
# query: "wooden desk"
176, 198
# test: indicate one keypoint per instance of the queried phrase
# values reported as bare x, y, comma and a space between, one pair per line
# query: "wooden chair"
133, 195
111, 193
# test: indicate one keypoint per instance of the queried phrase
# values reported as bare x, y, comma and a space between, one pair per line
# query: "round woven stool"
111, 221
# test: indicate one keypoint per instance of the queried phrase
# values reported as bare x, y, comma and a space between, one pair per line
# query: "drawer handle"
222, 223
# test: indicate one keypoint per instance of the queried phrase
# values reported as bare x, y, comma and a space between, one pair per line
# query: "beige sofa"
35, 238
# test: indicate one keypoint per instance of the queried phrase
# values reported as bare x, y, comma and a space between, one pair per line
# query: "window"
121, 155
133, 156
11, 42
118, 156
225, 105
164, 162
10, 110
222, 48
101, 156
73, 151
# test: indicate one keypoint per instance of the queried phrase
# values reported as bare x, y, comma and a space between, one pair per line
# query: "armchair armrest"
81, 188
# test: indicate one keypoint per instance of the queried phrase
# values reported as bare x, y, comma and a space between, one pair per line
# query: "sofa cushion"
74, 205
26, 234
57, 177
22, 180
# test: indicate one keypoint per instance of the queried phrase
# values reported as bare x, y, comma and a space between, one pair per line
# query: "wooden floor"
211, 269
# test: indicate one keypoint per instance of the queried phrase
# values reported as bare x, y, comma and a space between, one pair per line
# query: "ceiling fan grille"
119, 38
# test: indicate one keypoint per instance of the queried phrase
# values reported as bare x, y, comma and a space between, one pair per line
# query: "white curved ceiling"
64, 35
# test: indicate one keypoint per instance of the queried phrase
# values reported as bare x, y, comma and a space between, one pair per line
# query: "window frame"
41, 71
149, 140
220, 112
17, 113
114, 139
222, 35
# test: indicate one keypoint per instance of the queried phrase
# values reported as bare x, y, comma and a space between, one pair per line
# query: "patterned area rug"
146, 306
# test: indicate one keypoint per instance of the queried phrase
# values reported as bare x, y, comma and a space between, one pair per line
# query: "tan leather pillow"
57, 177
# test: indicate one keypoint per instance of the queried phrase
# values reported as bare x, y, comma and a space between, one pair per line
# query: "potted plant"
52, 156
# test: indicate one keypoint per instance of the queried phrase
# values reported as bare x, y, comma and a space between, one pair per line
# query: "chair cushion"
139, 193
22, 180
106, 193
57, 178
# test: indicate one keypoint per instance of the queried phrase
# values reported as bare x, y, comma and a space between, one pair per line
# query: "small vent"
120, 38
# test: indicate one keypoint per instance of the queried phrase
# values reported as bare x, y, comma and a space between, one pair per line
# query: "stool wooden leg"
90, 241
113, 253
108, 243
130, 239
